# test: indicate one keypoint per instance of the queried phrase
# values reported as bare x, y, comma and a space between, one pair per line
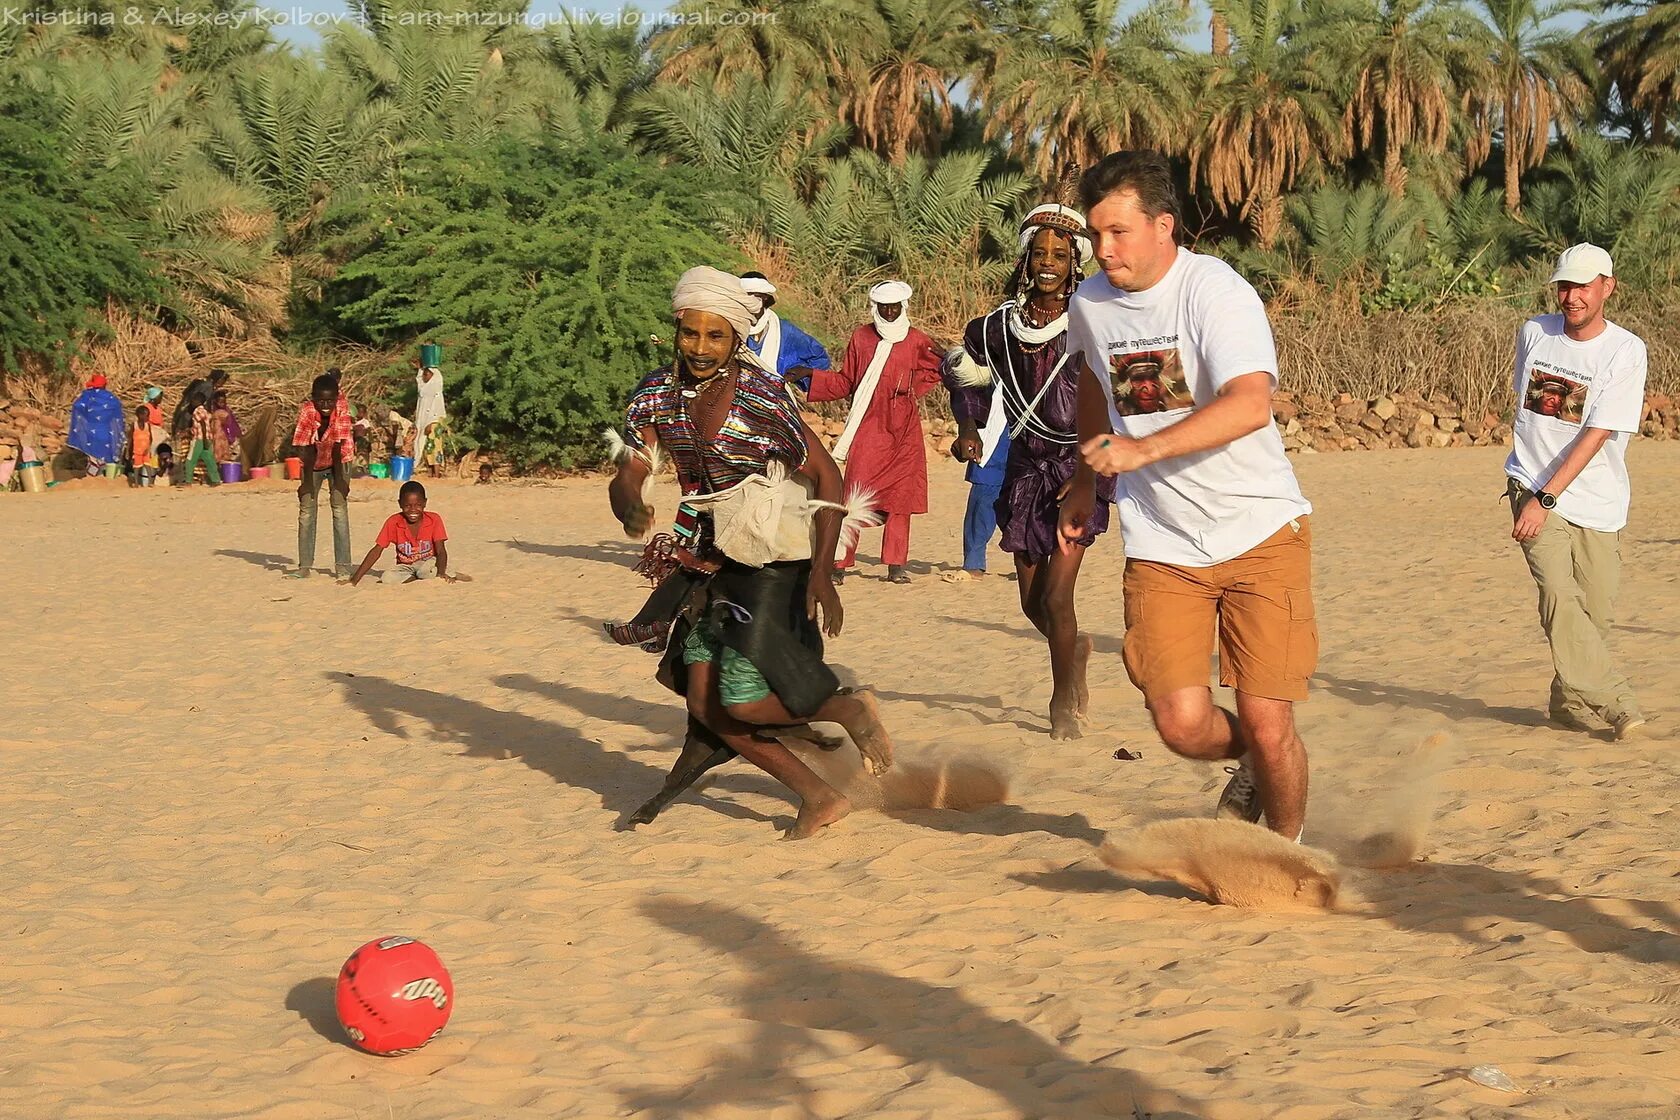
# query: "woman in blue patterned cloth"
740, 636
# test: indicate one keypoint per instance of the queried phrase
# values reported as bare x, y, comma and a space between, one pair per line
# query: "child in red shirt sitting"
419, 538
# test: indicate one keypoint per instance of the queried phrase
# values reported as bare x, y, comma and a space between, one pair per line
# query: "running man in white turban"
889, 366
745, 592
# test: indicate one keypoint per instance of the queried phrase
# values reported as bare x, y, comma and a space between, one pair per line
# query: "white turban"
757, 286
704, 288
1063, 218
890, 291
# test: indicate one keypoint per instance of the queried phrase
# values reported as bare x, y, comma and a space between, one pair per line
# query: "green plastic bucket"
431, 354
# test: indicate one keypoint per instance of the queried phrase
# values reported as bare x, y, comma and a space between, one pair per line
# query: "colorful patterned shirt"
763, 424
338, 432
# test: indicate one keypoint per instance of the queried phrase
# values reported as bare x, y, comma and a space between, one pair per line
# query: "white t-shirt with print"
1159, 355
1562, 387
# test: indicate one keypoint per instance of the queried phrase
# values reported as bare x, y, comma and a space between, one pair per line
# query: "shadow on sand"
798, 998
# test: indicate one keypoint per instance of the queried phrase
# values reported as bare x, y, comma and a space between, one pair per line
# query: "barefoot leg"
1069, 651
1082, 647
860, 715
855, 709
820, 804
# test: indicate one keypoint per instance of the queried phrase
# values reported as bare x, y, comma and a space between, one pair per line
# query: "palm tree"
297, 136
210, 237
751, 133
1087, 87
1267, 115
452, 81
902, 70
791, 42
1538, 80
1640, 52
1408, 60
1625, 197
605, 67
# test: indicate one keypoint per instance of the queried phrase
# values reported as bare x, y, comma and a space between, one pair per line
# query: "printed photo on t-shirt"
1147, 382
1558, 397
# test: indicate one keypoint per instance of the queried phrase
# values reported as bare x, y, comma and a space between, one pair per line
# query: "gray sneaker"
1241, 799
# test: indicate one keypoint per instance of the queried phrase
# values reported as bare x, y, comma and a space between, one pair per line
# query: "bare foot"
816, 814
1082, 646
1064, 720
863, 723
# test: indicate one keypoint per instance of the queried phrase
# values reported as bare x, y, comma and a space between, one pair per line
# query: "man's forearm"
1226, 419
1581, 452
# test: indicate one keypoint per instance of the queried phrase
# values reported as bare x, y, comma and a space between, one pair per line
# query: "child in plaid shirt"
322, 439
201, 451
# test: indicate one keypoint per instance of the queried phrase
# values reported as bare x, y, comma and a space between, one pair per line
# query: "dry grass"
268, 382
1462, 350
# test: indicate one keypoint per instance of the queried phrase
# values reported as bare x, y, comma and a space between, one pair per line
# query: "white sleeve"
1081, 344
1620, 405
1235, 336
1520, 361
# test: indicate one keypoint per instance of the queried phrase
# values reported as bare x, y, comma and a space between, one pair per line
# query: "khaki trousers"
1578, 572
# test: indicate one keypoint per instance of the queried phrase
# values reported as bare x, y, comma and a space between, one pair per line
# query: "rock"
1326, 443
1371, 422
1459, 439
1292, 427
1284, 411
1384, 408
1447, 424
1418, 437
1438, 438
1350, 411
1423, 421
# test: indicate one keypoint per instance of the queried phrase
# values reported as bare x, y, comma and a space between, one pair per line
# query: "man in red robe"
889, 366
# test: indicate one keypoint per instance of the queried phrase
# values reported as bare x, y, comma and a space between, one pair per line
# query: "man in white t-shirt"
1580, 385
1177, 368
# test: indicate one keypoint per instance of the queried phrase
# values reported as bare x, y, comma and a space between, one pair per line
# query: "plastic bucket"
402, 468
33, 477
113, 470
232, 472
6, 469
431, 354
294, 468
258, 473
379, 470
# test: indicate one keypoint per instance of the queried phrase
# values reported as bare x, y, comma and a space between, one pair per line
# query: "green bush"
543, 270
63, 249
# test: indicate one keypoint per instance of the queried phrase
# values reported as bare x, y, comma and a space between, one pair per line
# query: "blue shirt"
798, 349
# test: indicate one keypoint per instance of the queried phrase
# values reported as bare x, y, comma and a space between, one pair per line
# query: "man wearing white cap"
889, 366
782, 348
1580, 385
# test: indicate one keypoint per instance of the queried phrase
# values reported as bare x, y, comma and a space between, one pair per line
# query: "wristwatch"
1547, 501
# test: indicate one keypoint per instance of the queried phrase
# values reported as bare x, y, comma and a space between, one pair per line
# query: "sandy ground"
219, 782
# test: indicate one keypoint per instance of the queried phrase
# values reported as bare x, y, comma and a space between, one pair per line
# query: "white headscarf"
890, 292
704, 288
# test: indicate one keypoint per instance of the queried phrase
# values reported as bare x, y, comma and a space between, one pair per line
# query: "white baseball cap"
1582, 264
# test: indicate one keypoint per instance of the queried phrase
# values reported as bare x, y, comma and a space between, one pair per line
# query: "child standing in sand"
419, 539
142, 457
324, 443
203, 444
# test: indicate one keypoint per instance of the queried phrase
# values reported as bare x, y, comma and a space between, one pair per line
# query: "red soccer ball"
394, 996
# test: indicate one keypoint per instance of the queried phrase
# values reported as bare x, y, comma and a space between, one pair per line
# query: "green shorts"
739, 681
